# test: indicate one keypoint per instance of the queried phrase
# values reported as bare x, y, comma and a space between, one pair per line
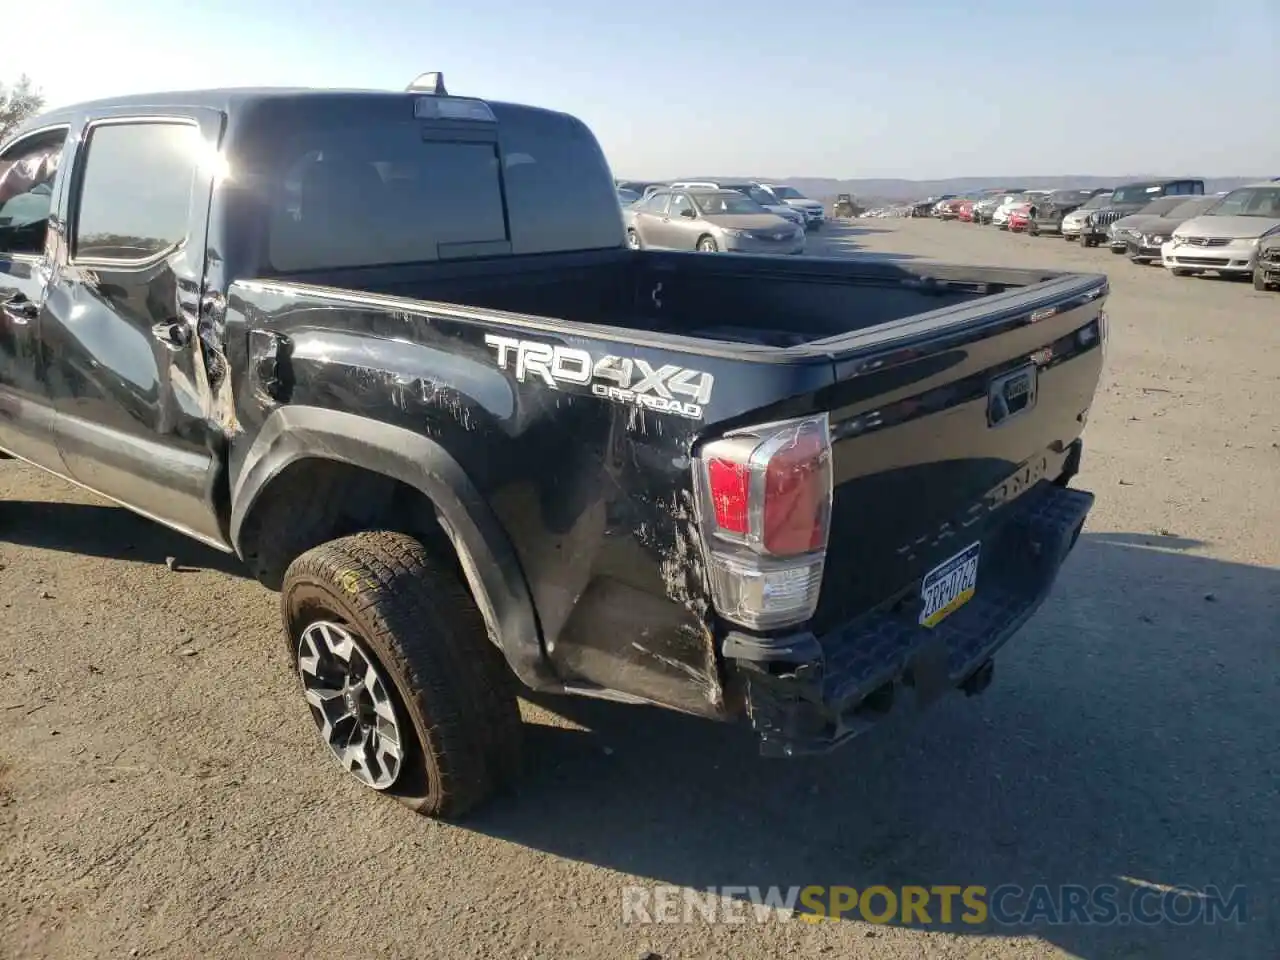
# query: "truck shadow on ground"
1128, 740
101, 530
840, 240
849, 228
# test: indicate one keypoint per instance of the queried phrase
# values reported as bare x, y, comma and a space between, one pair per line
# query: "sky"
917, 89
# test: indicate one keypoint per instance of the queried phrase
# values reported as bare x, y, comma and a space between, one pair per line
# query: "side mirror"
688, 214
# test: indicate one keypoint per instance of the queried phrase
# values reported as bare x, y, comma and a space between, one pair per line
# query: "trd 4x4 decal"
669, 388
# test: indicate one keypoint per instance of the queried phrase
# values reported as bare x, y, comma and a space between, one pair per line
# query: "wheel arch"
294, 434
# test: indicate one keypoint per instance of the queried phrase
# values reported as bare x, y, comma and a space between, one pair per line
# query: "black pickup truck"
391, 349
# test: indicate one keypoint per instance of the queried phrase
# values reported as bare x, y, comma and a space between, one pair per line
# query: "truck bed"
589, 475
756, 300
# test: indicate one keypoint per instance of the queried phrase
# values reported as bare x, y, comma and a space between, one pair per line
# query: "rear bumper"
810, 694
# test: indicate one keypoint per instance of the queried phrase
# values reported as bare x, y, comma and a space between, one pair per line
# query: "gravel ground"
163, 793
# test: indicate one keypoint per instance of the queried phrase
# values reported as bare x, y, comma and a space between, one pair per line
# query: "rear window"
384, 197
407, 191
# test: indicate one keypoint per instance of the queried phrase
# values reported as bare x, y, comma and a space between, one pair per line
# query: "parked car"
939, 203
416, 381
1120, 231
985, 209
949, 209
964, 211
709, 221
640, 187
1131, 198
1266, 271
1143, 242
757, 193
1050, 210
1073, 222
1226, 238
815, 213
1000, 218
1020, 218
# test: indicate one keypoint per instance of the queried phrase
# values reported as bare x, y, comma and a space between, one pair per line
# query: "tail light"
764, 505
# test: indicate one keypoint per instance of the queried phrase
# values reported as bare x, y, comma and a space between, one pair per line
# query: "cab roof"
236, 99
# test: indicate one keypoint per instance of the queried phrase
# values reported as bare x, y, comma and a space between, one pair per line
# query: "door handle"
20, 309
174, 334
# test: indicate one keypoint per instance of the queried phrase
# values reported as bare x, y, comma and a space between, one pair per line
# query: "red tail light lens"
729, 488
797, 496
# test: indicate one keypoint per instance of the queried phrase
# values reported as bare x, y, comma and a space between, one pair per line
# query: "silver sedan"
709, 221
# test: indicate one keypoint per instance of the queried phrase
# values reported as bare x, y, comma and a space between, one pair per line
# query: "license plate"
949, 586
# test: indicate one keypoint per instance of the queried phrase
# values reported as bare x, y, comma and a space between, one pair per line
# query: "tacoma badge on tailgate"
625, 380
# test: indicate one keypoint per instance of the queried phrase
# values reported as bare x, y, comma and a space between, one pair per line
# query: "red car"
964, 211
1020, 218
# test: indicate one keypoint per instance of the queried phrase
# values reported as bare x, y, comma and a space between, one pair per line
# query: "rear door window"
656, 204
135, 194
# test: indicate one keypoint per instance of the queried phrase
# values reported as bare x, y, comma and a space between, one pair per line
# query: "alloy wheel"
351, 703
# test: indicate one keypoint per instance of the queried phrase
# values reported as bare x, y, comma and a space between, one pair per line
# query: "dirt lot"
163, 793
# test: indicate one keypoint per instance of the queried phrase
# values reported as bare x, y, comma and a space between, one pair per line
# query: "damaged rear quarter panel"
595, 495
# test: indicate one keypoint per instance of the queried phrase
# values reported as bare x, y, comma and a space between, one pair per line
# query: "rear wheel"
409, 694
1259, 279
633, 240
706, 244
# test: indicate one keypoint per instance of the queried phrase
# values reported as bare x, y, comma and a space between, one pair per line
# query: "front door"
28, 184
125, 370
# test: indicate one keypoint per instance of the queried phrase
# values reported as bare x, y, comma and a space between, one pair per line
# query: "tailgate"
931, 442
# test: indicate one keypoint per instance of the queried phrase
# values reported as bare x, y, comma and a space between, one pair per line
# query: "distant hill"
919, 189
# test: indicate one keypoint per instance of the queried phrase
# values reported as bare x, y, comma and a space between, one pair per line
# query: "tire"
1087, 241
1180, 271
1260, 279
706, 244
633, 240
449, 690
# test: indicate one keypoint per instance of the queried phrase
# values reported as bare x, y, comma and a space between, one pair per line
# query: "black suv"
1131, 198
